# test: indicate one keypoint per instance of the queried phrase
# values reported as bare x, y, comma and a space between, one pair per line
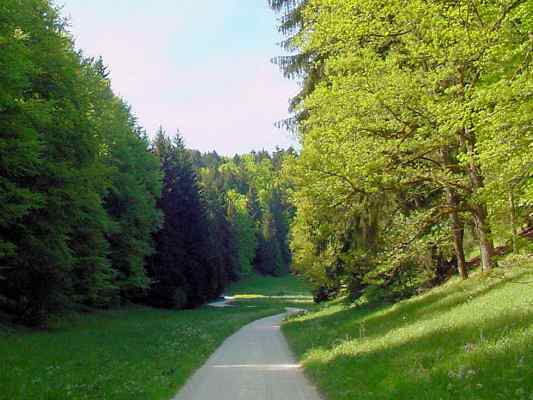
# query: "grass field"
464, 340
134, 353
257, 285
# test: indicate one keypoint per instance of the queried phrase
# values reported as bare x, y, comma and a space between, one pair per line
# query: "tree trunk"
486, 243
457, 223
513, 222
467, 142
458, 235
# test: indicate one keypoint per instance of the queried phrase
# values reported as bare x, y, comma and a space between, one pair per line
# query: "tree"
244, 230
252, 186
223, 237
131, 199
304, 64
180, 269
396, 114
57, 250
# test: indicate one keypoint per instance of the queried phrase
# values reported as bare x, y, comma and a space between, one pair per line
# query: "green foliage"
57, 237
91, 212
181, 271
244, 229
131, 200
269, 259
416, 127
255, 194
72, 166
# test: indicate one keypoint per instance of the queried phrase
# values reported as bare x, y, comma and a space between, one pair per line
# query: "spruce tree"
180, 269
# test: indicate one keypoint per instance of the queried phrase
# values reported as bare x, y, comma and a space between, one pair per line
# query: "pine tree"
180, 268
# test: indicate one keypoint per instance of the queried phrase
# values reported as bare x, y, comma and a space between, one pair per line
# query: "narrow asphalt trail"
253, 364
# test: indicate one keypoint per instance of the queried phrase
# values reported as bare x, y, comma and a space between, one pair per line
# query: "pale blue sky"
202, 66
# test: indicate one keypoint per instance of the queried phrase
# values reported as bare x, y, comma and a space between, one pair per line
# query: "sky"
200, 66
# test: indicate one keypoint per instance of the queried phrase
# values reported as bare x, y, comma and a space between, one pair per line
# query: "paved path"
253, 364
225, 302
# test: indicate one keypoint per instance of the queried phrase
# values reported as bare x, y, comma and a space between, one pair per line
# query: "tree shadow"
443, 363
374, 322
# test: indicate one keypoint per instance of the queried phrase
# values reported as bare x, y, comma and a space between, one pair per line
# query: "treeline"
252, 193
415, 119
223, 218
91, 211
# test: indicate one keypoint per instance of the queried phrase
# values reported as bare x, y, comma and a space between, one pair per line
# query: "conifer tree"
180, 268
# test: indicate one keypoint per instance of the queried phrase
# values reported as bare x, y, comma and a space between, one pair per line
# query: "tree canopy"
417, 129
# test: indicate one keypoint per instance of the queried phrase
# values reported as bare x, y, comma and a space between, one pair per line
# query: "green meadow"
131, 353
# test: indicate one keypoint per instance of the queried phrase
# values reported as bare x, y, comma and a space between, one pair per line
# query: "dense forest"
94, 213
414, 120
415, 123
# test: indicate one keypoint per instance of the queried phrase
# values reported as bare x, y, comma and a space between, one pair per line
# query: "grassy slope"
464, 340
134, 353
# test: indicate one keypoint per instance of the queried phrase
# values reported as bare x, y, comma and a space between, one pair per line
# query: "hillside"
464, 340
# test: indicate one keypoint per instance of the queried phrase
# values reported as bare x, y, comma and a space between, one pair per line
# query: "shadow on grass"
466, 340
448, 363
378, 321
